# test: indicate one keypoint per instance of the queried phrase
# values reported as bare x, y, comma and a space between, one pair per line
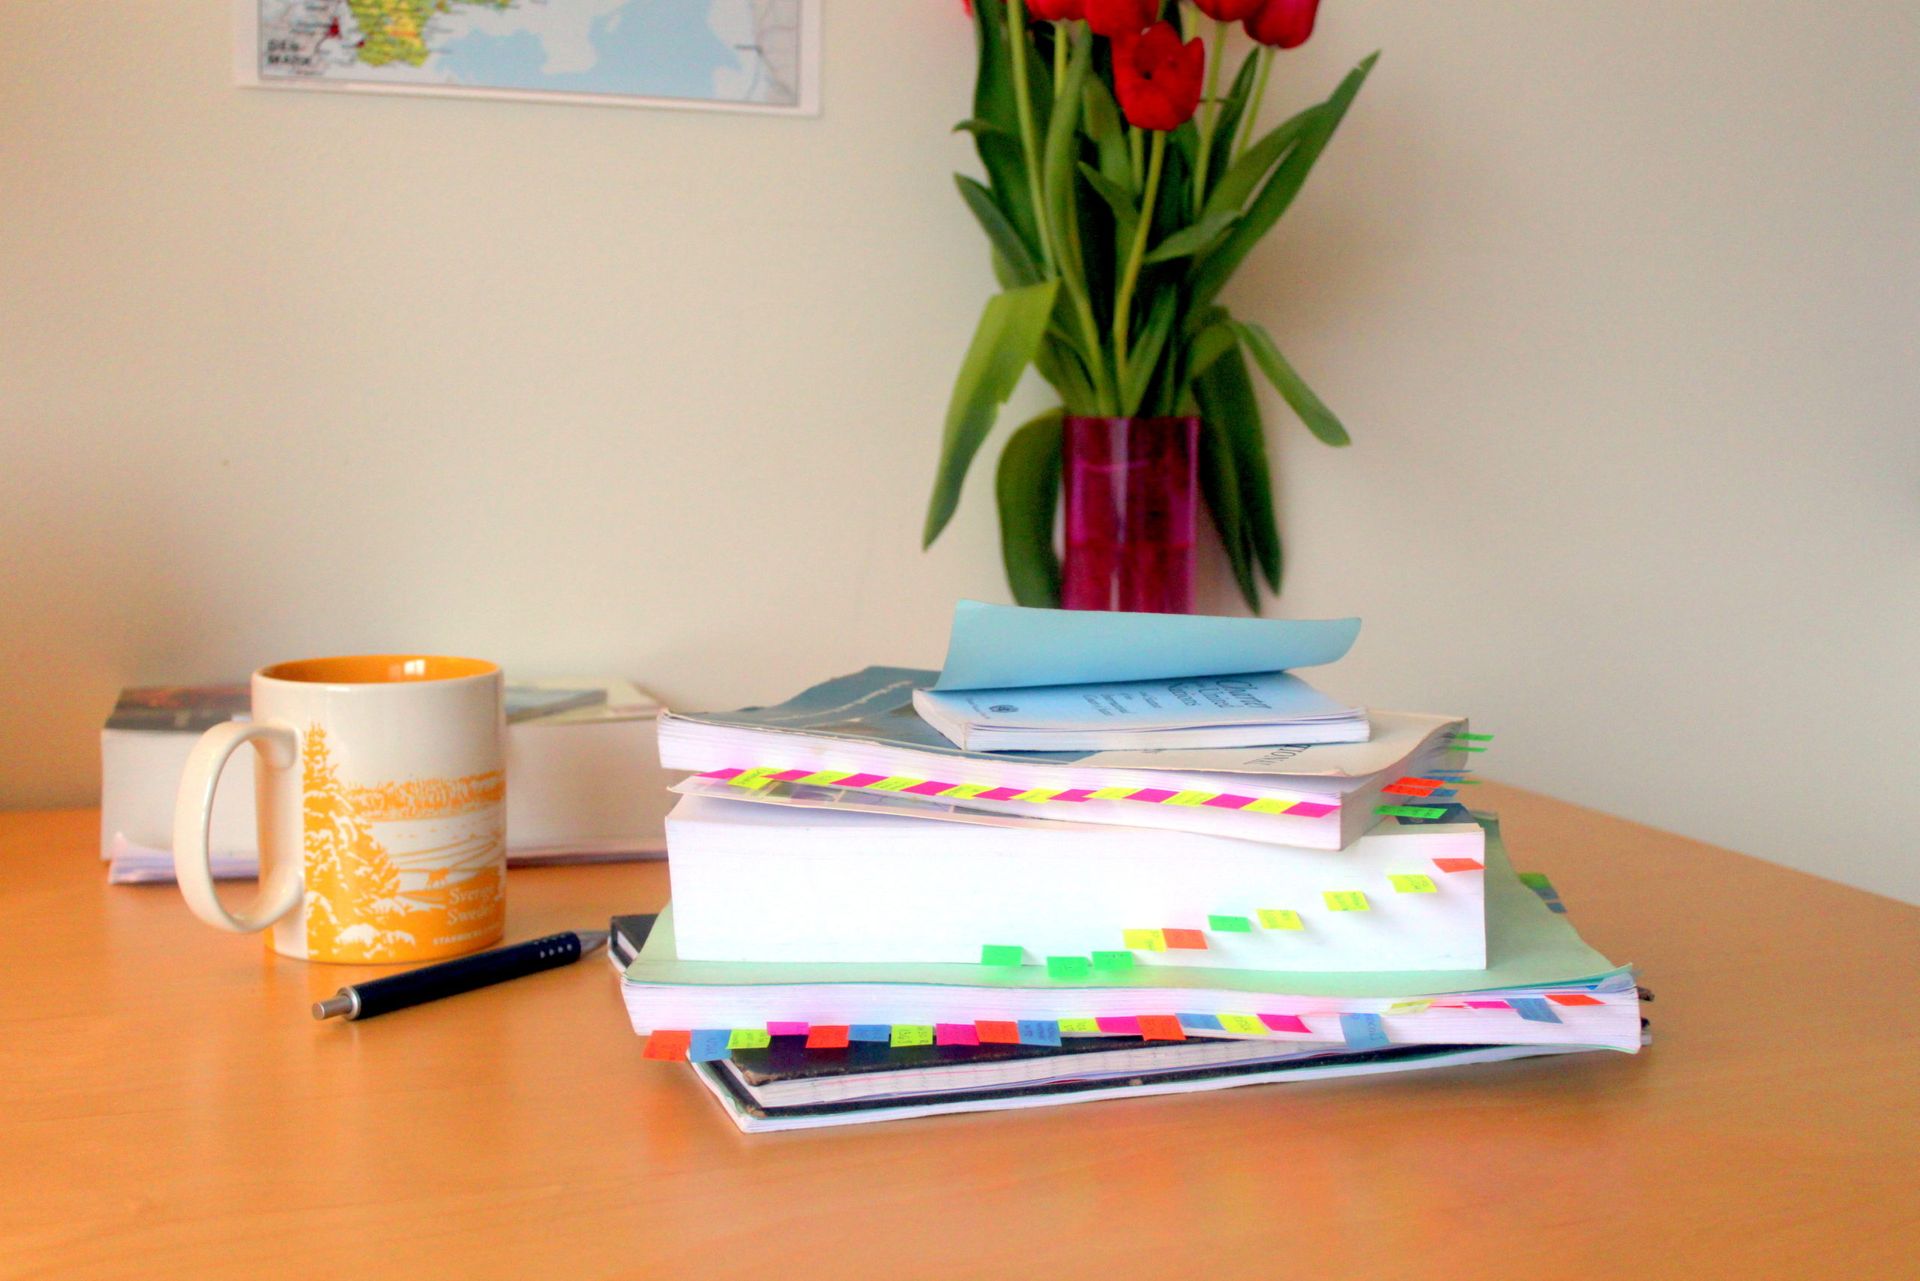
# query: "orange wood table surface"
168, 1107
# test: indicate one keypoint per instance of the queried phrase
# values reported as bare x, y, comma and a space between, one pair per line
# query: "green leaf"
977, 126
1225, 395
993, 220
1145, 356
995, 104
1312, 410
1246, 172
1220, 486
1027, 486
1057, 157
1103, 126
1003, 346
1059, 361
1126, 214
1232, 108
1191, 239
1291, 174
1209, 345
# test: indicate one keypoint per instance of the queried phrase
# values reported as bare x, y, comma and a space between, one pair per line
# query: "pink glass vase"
1130, 495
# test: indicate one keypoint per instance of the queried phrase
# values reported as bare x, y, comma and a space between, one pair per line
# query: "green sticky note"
1535, 880
1001, 954
1464, 747
748, 1038
911, 1034
1473, 738
1113, 962
1079, 1027
1347, 901
1412, 883
1411, 811
1068, 967
1230, 924
1280, 919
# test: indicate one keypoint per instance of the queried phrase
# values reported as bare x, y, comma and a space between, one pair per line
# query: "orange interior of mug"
379, 669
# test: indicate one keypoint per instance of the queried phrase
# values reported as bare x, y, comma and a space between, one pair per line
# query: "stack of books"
870, 921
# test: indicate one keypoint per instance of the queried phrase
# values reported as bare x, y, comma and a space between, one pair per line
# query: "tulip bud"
1116, 18
1283, 23
1228, 10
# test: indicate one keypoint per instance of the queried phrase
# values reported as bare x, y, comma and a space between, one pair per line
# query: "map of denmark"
744, 54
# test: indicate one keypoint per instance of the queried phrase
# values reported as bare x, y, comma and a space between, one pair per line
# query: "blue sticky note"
881, 1032
1533, 1009
1363, 1031
1014, 647
1442, 793
709, 1044
1200, 1022
1038, 1032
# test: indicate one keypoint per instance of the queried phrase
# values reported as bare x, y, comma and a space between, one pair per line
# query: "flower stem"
1029, 137
1215, 57
1123, 303
1250, 121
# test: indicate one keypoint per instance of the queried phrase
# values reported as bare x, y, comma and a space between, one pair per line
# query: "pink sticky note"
1123, 1025
1075, 794
1228, 801
721, 773
1488, 1005
1312, 809
930, 788
1152, 794
791, 775
1284, 1023
860, 780
1000, 794
955, 1034
787, 1029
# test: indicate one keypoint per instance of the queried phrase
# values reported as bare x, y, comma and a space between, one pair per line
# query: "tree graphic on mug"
353, 888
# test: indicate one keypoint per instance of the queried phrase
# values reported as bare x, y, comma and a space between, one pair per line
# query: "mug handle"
280, 890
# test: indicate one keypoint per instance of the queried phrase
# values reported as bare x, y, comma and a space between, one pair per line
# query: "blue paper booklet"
1258, 709
1048, 680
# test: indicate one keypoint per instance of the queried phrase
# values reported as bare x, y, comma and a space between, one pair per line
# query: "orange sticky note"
1573, 998
668, 1045
997, 1032
1161, 1027
827, 1037
1459, 864
1191, 940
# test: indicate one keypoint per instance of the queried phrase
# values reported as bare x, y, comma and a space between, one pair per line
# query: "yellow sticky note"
1190, 798
1079, 1027
1244, 1024
752, 778
965, 791
1409, 1007
1274, 918
1266, 805
748, 1038
1111, 794
1040, 794
1412, 883
1347, 901
1144, 940
912, 1034
895, 784
821, 778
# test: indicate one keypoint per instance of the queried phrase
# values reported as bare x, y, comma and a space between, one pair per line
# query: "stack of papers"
870, 921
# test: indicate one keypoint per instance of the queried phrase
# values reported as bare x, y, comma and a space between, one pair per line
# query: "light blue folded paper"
1013, 647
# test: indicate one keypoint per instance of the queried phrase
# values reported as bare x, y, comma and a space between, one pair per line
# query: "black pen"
463, 974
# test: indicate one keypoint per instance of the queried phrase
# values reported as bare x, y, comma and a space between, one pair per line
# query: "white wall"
1618, 299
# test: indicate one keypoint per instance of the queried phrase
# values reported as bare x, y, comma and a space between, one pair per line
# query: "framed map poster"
719, 55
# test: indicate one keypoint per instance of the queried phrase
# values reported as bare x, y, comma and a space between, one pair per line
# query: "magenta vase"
1130, 497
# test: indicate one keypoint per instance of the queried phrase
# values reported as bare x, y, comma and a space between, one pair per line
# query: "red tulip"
1228, 10
1116, 18
1285, 23
1157, 78
1057, 10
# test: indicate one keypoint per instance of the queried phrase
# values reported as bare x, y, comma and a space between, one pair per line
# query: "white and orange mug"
381, 788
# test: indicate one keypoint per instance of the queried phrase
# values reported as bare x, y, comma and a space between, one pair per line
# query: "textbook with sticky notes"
879, 916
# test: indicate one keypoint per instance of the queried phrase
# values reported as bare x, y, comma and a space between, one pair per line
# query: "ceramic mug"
381, 788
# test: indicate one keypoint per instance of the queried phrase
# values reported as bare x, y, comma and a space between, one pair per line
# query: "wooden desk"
169, 1108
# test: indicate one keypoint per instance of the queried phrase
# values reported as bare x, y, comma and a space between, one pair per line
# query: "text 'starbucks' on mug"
381, 788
